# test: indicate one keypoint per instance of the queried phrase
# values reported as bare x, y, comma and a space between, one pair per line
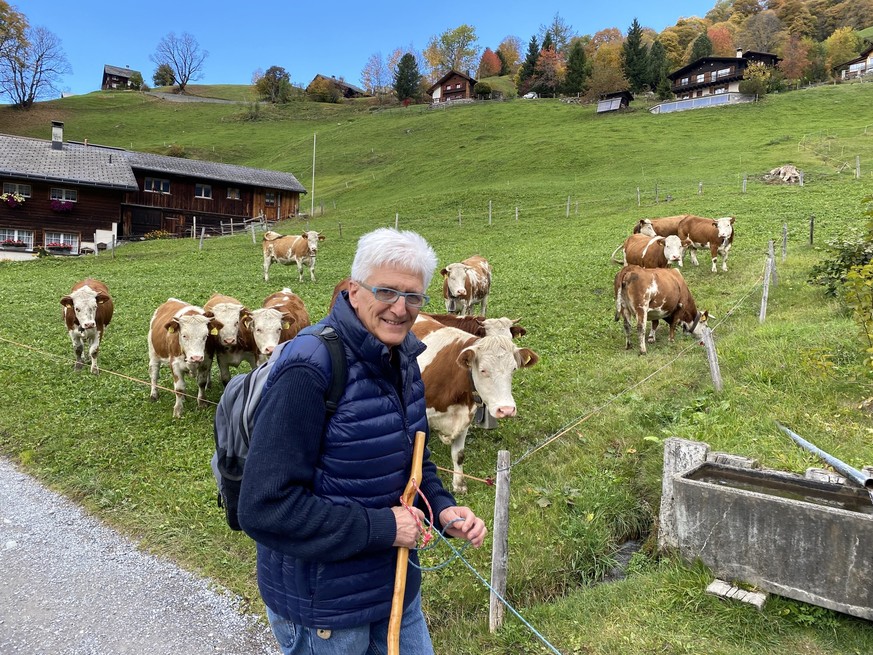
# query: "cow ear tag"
213, 331
171, 329
286, 325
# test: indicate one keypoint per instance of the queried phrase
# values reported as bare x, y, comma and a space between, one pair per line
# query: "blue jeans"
368, 639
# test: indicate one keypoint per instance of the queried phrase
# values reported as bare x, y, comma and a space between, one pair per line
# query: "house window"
719, 89
458, 85
684, 80
19, 189
203, 191
724, 72
233, 193
11, 234
156, 185
448, 87
67, 195
270, 198
701, 77
66, 238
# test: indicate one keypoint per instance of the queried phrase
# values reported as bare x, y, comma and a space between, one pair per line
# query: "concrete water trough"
796, 537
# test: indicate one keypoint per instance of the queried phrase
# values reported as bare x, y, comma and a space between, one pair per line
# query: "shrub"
482, 89
157, 234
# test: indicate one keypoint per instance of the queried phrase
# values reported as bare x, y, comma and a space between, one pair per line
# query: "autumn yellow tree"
841, 46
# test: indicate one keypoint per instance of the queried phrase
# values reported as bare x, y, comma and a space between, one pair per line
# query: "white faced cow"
87, 311
465, 284
462, 373
717, 234
177, 337
226, 346
655, 294
651, 252
282, 316
297, 249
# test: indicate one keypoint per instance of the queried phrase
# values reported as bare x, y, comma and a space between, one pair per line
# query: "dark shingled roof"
209, 170
118, 71
35, 159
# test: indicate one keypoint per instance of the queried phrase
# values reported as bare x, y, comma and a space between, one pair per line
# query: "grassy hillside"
592, 418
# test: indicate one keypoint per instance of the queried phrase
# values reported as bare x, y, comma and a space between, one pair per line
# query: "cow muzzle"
505, 411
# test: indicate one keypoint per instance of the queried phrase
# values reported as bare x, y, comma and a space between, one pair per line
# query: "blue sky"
305, 38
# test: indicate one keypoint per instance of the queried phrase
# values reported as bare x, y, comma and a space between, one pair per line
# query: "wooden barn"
115, 77
79, 195
346, 90
614, 101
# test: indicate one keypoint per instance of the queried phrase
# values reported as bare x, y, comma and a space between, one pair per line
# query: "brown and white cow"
655, 294
659, 227
461, 374
479, 325
717, 234
298, 249
281, 317
177, 337
342, 285
650, 252
87, 311
465, 284
227, 346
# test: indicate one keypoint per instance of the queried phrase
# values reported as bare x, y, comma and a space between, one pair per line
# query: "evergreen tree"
504, 65
548, 42
702, 47
407, 78
578, 69
658, 67
635, 58
164, 75
530, 64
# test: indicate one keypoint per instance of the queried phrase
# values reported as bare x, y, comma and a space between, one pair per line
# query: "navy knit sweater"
317, 496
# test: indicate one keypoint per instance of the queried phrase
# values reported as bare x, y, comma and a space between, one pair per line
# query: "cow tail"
614, 260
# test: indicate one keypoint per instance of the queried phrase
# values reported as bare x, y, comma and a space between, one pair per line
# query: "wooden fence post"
396, 220
489, 213
772, 255
194, 228
857, 167
202, 234
763, 313
113, 246
516, 213
499, 542
568, 207
459, 218
340, 226
254, 241
712, 358
811, 227
638, 196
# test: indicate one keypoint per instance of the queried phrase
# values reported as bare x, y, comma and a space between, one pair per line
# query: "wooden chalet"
81, 195
858, 67
346, 90
115, 77
452, 86
715, 75
614, 101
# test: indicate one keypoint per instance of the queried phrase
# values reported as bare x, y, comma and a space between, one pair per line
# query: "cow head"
725, 227
492, 362
645, 227
698, 326
312, 238
229, 315
193, 330
83, 302
505, 326
455, 280
673, 250
266, 327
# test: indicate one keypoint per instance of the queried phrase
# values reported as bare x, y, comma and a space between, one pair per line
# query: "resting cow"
650, 252
479, 325
717, 234
655, 294
465, 284
87, 311
225, 346
177, 337
463, 373
298, 249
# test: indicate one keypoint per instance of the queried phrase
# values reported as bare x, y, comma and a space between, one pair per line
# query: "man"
321, 496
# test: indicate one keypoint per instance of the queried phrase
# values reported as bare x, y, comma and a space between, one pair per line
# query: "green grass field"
592, 416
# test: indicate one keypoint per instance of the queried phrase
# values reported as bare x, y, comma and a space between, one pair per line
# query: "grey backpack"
234, 416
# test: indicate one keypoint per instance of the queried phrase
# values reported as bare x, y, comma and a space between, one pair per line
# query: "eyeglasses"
390, 296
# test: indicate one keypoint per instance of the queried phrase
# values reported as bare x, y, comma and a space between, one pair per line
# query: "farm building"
346, 90
614, 101
452, 86
712, 81
80, 194
858, 67
115, 77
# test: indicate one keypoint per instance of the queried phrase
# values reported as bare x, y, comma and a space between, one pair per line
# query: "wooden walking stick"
403, 553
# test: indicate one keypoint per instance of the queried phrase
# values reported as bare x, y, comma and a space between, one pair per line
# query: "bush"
482, 89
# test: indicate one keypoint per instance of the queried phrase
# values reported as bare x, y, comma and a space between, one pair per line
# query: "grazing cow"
466, 284
463, 373
227, 346
87, 311
650, 252
478, 325
298, 249
717, 234
177, 337
281, 317
655, 294
659, 227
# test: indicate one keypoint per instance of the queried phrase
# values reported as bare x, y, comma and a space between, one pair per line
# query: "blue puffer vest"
366, 459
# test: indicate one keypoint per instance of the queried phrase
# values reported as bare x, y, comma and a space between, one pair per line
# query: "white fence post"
712, 358
763, 313
397, 220
772, 255
499, 542
568, 207
202, 234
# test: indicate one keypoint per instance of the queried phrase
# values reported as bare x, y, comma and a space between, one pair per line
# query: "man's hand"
471, 528
407, 529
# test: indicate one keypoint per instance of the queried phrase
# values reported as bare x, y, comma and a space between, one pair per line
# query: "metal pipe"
840, 466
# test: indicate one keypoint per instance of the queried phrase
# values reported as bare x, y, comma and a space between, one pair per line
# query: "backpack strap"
338, 365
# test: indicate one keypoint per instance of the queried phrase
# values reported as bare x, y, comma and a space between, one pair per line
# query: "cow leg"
652, 333
713, 250
459, 486
202, 380
179, 389
312, 271
267, 261
154, 369
78, 348
724, 255
223, 369
483, 305
672, 325
641, 328
94, 353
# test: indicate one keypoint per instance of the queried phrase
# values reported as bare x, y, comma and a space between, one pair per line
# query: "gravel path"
71, 586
